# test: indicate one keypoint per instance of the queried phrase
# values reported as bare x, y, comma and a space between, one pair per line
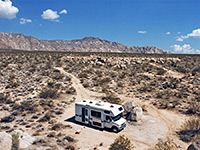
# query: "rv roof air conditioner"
99, 103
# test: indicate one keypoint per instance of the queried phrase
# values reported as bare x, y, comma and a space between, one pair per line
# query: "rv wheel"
115, 129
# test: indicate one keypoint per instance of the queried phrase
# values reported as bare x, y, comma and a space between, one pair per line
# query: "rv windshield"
117, 117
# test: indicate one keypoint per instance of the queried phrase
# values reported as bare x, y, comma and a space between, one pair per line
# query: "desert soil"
156, 123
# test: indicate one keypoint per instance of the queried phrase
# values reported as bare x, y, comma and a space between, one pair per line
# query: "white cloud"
185, 48
179, 32
7, 10
23, 21
64, 11
179, 39
195, 34
50, 15
142, 32
198, 51
168, 33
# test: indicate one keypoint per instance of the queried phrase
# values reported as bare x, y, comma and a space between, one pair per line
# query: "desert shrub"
194, 107
160, 71
49, 93
72, 90
15, 142
26, 106
104, 81
189, 129
3, 97
57, 76
46, 103
195, 70
112, 98
45, 73
69, 138
83, 75
70, 147
120, 84
57, 126
86, 84
12, 76
12, 84
121, 143
165, 145
46, 117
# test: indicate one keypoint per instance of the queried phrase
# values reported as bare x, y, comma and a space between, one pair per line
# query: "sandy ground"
156, 123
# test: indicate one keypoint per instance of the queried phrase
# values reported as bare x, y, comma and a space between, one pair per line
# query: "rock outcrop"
87, 44
25, 140
5, 141
132, 111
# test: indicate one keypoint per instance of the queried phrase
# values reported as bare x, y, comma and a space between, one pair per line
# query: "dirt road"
143, 135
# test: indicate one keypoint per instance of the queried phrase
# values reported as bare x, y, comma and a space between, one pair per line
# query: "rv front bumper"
123, 126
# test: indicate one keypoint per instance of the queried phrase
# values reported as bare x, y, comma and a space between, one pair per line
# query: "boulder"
5, 141
135, 114
129, 106
194, 146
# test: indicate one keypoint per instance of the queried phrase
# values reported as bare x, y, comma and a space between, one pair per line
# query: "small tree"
121, 143
15, 142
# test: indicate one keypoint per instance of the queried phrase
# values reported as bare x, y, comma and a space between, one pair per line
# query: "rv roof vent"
90, 102
99, 103
111, 106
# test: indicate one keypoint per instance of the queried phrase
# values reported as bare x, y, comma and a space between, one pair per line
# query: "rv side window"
95, 114
108, 118
106, 112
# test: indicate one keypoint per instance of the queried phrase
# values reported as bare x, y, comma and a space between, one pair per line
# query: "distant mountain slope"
87, 44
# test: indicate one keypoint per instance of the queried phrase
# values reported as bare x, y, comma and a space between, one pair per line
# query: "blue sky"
172, 25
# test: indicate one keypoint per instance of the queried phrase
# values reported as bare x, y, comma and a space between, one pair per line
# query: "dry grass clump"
190, 129
165, 145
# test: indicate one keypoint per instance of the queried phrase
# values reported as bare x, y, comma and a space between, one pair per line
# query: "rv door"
85, 115
108, 121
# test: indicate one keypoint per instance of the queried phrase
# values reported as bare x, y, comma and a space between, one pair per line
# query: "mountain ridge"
19, 41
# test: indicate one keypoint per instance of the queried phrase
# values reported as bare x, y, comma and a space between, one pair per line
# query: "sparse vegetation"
34, 93
121, 143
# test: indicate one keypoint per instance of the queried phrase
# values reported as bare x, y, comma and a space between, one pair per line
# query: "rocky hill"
87, 44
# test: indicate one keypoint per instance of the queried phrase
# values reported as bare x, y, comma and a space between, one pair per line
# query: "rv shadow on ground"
72, 120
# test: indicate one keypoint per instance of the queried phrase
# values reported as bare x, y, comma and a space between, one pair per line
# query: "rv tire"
115, 129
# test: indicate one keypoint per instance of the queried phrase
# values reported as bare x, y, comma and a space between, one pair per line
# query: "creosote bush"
121, 143
112, 98
165, 145
49, 93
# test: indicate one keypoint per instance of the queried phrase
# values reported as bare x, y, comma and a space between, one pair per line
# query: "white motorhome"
100, 114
